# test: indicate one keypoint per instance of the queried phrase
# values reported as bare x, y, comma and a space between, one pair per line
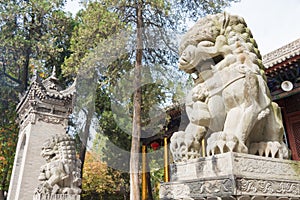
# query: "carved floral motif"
211, 187
269, 187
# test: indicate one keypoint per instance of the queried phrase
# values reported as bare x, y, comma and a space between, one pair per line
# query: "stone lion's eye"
206, 44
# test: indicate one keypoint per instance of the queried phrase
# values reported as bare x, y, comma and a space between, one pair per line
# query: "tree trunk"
25, 76
136, 122
84, 137
1, 195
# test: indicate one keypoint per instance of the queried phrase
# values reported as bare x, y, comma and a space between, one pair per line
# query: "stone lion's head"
211, 39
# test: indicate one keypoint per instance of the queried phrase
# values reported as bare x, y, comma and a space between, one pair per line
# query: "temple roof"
47, 89
282, 54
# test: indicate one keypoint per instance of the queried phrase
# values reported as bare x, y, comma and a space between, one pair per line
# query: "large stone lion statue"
230, 105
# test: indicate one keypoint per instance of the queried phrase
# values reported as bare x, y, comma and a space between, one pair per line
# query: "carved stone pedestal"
56, 197
233, 176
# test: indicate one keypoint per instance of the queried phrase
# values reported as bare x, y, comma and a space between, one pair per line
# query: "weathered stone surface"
233, 175
230, 106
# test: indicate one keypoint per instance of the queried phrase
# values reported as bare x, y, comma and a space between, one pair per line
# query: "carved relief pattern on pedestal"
267, 167
56, 197
198, 189
201, 188
268, 187
174, 191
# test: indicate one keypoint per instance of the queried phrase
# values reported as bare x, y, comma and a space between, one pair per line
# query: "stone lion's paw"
220, 142
271, 149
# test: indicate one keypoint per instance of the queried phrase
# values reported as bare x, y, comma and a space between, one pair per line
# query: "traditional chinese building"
283, 76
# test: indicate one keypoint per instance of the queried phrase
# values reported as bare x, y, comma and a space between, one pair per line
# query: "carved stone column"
43, 112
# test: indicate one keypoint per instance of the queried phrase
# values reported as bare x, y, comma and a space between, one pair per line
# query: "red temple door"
291, 115
293, 129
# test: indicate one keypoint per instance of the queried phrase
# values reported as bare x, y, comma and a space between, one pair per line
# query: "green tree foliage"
34, 34
153, 23
8, 136
99, 182
94, 25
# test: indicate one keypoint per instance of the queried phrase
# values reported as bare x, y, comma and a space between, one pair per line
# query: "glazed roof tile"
282, 54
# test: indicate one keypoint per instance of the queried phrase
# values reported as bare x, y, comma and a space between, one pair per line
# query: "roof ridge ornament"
53, 74
52, 83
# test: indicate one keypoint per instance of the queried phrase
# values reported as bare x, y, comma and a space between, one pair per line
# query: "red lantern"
154, 145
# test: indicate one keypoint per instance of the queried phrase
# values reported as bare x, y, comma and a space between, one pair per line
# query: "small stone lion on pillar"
230, 105
61, 174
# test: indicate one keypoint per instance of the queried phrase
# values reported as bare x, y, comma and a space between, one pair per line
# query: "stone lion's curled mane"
234, 28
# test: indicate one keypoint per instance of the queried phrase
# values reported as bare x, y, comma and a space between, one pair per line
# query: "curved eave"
284, 64
282, 55
38, 90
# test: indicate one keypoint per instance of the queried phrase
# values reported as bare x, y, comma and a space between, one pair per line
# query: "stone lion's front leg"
57, 174
246, 104
186, 145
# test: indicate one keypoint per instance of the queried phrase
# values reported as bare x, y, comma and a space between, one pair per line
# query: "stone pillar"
43, 112
166, 160
144, 173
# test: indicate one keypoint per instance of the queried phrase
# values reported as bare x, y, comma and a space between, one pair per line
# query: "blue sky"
273, 23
